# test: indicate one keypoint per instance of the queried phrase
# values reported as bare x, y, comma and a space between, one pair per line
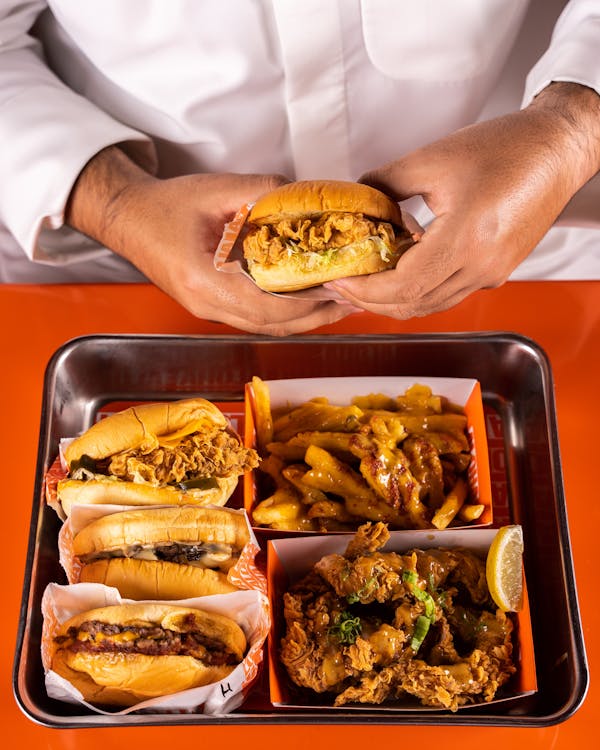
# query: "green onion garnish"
421, 629
346, 628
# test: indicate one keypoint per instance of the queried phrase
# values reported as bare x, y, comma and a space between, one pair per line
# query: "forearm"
100, 199
571, 113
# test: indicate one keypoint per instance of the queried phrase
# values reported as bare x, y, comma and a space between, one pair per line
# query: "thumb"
400, 179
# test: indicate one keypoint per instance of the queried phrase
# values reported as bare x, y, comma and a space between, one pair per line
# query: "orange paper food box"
463, 392
288, 560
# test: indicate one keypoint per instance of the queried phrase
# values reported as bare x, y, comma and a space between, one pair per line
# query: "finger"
442, 298
420, 270
400, 179
237, 301
323, 314
245, 188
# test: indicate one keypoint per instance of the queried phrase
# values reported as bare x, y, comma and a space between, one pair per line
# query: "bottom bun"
150, 579
127, 679
102, 491
303, 270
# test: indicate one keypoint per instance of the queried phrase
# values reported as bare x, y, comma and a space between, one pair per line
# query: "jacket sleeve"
573, 52
573, 55
48, 133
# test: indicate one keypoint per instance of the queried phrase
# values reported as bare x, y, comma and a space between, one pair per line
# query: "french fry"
471, 512
451, 506
329, 474
375, 401
283, 505
330, 509
316, 415
426, 424
389, 429
419, 399
295, 476
294, 449
273, 466
263, 420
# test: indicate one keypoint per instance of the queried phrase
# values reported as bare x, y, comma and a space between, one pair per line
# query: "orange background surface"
563, 317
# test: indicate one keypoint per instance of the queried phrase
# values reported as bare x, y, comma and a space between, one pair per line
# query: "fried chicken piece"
450, 686
368, 538
213, 453
331, 229
330, 475
443, 650
426, 467
387, 472
366, 579
447, 567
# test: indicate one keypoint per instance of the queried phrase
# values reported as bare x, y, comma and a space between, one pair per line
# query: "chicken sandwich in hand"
306, 233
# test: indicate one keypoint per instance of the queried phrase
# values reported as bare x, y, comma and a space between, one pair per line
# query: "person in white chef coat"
132, 131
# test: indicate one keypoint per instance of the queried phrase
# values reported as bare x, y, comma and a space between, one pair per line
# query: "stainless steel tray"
517, 387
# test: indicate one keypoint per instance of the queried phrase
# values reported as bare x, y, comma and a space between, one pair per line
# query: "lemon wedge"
504, 568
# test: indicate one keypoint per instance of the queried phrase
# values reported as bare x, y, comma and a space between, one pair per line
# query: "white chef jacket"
306, 88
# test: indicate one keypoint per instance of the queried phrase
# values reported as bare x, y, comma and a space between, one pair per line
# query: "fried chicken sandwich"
306, 233
173, 453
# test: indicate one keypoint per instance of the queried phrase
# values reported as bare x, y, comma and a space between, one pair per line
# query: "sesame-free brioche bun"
162, 553
150, 579
103, 491
308, 197
145, 655
129, 428
306, 233
152, 526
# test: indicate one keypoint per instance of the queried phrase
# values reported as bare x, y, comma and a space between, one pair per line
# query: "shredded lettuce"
313, 260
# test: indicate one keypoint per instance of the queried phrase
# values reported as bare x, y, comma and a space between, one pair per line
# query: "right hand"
170, 228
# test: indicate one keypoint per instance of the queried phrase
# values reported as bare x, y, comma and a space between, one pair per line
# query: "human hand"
169, 230
495, 189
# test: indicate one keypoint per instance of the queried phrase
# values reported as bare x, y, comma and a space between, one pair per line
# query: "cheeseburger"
126, 653
306, 233
175, 453
162, 553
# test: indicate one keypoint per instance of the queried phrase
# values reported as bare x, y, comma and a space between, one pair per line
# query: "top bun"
317, 196
147, 526
128, 429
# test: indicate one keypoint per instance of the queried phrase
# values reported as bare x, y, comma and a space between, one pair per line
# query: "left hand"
495, 189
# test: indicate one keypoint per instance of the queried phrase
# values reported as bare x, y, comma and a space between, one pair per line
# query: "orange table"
563, 317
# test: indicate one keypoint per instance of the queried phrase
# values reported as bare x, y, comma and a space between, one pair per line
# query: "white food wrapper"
250, 609
229, 258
